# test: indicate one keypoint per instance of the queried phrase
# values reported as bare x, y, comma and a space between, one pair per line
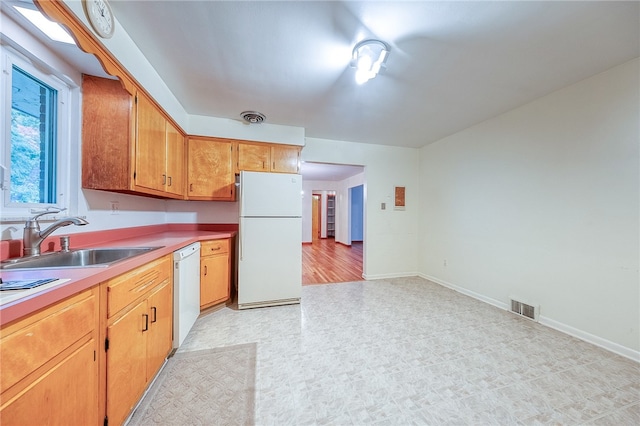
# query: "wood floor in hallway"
325, 261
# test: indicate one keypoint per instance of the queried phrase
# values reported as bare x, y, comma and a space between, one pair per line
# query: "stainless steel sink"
81, 258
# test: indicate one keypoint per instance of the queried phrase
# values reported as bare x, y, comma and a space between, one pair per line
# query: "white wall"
237, 129
390, 244
542, 203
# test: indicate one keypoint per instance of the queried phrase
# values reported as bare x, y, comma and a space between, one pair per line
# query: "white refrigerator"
270, 239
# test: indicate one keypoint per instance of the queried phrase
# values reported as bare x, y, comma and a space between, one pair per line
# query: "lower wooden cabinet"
126, 363
90, 356
50, 366
215, 272
160, 328
139, 334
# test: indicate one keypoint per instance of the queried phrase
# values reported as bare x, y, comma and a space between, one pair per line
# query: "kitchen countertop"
80, 279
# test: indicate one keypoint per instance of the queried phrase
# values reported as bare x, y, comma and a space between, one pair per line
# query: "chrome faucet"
33, 237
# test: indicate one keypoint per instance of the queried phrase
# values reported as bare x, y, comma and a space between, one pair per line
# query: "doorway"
356, 224
316, 205
333, 216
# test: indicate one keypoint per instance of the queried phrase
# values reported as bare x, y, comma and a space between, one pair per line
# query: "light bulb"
368, 58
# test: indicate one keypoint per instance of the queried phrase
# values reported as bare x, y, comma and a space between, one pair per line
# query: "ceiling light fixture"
368, 57
51, 29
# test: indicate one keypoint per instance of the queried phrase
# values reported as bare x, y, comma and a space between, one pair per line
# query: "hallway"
325, 261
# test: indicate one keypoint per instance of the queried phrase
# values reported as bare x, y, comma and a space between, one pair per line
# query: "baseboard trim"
489, 300
591, 338
547, 322
386, 276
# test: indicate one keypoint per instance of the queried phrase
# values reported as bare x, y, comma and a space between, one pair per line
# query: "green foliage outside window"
25, 158
33, 140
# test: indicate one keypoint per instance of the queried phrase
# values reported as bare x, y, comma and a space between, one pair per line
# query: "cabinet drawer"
129, 286
31, 343
208, 248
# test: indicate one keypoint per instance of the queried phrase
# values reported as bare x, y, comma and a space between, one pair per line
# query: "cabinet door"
28, 345
175, 161
66, 394
126, 362
150, 145
210, 170
214, 280
160, 306
107, 135
285, 159
48, 364
254, 157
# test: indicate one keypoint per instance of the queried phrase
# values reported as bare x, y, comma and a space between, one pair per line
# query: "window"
35, 138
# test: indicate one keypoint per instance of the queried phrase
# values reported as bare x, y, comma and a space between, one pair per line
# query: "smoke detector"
253, 117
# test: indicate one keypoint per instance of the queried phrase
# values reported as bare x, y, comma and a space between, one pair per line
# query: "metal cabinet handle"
169, 180
164, 179
190, 187
146, 322
205, 269
155, 314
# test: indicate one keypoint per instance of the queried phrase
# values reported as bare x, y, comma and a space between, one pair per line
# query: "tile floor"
410, 352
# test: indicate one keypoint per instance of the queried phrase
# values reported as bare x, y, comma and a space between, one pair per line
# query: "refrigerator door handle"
241, 244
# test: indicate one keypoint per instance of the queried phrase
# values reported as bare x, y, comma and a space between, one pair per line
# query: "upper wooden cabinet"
210, 169
159, 151
268, 157
285, 158
254, 157
107, 135
151, 153
176, 160
128, 145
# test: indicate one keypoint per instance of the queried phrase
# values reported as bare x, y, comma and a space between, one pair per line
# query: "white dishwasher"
186, 291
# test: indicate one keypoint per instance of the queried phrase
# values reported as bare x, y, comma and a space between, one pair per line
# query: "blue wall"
357, 212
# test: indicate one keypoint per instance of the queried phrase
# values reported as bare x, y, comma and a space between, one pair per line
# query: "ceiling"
82, 61
328, 172
452, 64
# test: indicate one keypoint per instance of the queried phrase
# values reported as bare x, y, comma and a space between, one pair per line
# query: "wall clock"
100, 17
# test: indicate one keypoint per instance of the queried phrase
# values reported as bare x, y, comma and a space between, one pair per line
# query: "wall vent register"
524, 310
